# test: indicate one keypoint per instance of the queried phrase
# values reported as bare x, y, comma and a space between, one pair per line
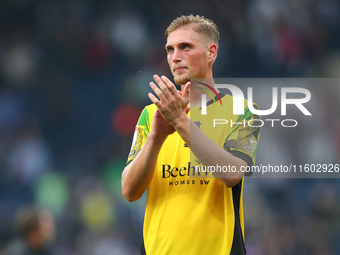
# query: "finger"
158, 92
170, 85
154, 100
164, 88
186, 91
187, 109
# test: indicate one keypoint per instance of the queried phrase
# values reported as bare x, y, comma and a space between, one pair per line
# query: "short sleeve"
243, 139
142, 131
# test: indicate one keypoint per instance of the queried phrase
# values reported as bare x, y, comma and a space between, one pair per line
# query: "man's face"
187, 55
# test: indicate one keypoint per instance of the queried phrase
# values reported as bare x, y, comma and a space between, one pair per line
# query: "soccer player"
186, 215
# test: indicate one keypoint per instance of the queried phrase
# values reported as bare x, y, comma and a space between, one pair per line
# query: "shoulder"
151, 108
147, 115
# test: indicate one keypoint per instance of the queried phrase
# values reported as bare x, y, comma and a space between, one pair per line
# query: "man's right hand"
137, 176
160, 127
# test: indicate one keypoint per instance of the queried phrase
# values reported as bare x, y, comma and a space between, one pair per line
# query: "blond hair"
198, 23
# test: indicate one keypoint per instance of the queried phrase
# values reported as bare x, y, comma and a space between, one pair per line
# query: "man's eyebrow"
185, 43
179, 44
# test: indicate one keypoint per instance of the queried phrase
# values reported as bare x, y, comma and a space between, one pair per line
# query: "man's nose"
176, 57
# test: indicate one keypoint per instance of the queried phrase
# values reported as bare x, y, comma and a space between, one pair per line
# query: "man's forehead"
182, 35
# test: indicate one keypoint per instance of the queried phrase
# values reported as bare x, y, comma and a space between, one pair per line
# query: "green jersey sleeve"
243, 139
142, 131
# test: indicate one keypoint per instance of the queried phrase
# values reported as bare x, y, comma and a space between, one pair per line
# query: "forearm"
137, 176
208, 152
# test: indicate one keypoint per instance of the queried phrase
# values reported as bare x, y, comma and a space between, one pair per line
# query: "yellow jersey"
187, 211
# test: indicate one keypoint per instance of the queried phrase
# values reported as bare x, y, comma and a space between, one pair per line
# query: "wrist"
158, 138
181, 122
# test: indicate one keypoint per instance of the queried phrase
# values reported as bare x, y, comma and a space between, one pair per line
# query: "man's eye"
170, 50
185, 47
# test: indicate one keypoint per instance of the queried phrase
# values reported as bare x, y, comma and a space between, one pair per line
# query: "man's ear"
212, 52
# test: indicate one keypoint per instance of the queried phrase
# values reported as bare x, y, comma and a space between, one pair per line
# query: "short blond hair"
198, 23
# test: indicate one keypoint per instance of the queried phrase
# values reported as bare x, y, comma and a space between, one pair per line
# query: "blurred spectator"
132, 26
97, 52
20, 57
11, 112
36, 229
29, 156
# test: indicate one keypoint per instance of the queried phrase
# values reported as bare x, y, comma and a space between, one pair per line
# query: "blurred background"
74, 78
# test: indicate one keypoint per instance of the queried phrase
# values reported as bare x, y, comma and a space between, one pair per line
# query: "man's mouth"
179, 69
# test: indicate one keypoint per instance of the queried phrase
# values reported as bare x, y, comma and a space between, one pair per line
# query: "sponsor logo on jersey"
173, 173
